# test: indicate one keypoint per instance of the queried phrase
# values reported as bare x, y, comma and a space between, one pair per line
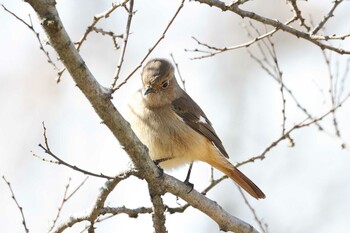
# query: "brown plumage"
175, 129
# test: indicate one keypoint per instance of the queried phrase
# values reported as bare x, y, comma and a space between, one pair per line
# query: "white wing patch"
202, 120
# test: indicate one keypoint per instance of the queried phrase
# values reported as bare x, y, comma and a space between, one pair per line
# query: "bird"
175, 129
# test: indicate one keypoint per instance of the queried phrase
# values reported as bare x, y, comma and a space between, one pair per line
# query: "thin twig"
271, 74
327, 17
48, 151
342, 81
44, 159
230, 48
279, 74
19, 207
302, 124
298, 15
98, 207
61, 205
183, 81
151, 49
37, 35
96, 19
125, 38
332, 92
274, 23
109, 33
262, 226
65, 198
91, 28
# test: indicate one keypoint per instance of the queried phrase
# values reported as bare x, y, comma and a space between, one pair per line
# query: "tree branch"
98, 205
274, 23
48, 151
327, 17
17, 204
125, 38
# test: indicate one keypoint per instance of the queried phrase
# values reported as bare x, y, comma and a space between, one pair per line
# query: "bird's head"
159, 83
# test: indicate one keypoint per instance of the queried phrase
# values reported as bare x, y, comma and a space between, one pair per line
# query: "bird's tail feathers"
237, 176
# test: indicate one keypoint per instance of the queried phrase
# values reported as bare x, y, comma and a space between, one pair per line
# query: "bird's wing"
194, 116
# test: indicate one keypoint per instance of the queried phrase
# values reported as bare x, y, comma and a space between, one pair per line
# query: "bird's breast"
166, 135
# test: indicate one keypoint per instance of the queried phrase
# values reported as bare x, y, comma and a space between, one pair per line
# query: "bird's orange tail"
237, 176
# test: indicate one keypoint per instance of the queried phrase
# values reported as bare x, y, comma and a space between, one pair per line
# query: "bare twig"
183, 81
92, 27
333, 93
315, 39
48, 151
263, 227
230, 48
332, 89
109, 33
97, 18
273, 69
77, 188
327, 17
298, 15
302, 124
343, 79
37, 35
19, 207
65, 198
151, 49
125, 39
98, 207
61, 205
44, 159
279, 74
306, 112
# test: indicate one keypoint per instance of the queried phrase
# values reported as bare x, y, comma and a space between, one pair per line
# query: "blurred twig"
183, 81
92, 27
48, 151
326, 17
297, 14
125, 42
98, 207
311, 37
302, 124
97, 18
65, 198
263, 226
37, 35
111, 34
273, 70
151, 49
19, 207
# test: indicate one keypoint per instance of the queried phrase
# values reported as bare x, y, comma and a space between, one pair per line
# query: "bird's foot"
157, 162
189, 185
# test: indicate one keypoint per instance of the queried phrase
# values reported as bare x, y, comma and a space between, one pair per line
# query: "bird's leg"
158, 161
187, 180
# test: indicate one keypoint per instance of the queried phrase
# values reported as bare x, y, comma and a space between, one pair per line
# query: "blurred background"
307, 186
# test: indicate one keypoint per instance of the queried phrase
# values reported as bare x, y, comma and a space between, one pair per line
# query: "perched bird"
175, 129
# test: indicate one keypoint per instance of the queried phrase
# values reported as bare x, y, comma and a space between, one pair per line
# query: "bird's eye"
165, 84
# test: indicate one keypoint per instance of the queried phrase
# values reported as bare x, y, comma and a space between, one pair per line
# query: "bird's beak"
148, 90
